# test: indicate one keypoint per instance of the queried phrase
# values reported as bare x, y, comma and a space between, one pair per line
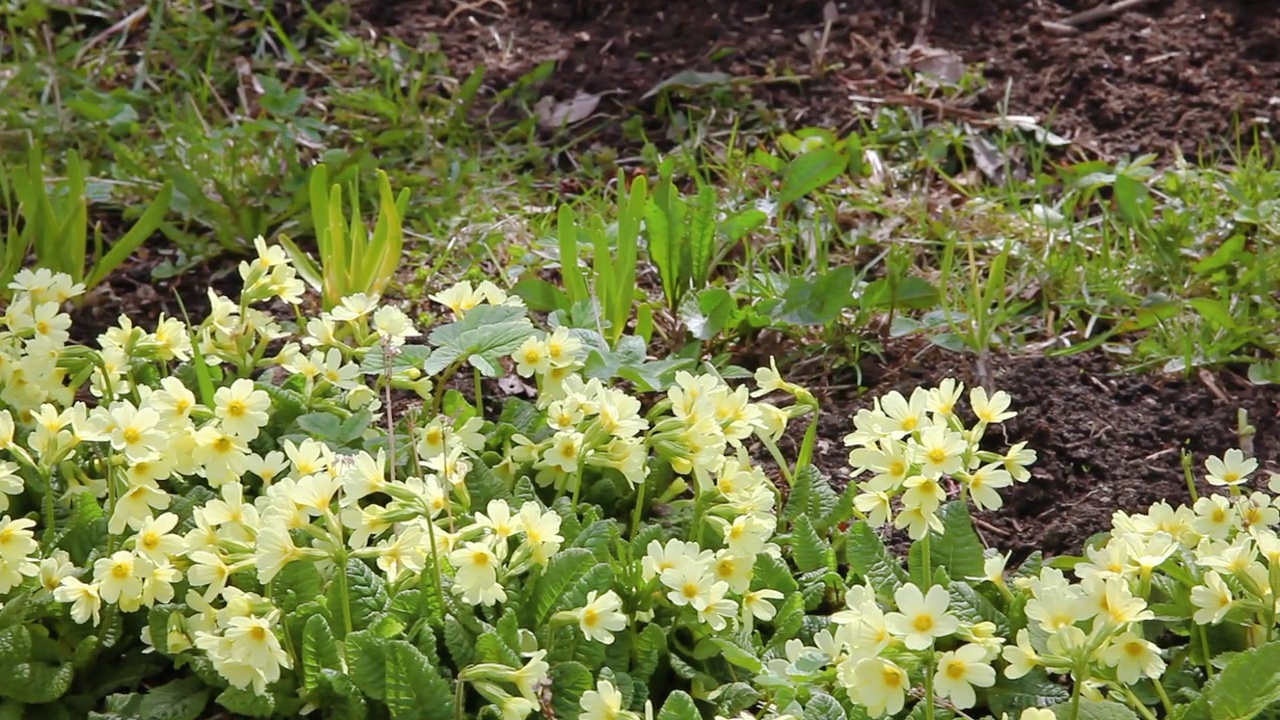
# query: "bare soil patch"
1191, 74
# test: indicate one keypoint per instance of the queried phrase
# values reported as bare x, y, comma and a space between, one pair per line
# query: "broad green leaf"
679, 706
569, 682
650, 649
598, 576
972, 607
367, 662
483, 345
734, 698
1247, 685
771, 572
414, 689
341, 696
564, 569
870, 559
788, 621
817, 301
1226, 254
183, 699
823, 707
1034, 689
736, 654
492, 649
599, 537
319, 652
810, 172
702, 235
15, 645
541, 296
365, 597
808, 549
958, 549
247, 703
459, 641
36, 682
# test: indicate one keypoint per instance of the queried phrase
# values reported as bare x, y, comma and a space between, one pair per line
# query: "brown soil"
1106, 440
1185, 73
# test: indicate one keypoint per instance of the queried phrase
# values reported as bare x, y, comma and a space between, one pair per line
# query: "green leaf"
37, 682
319, 652
702, 235
598, 537
771, 572
598, 576
870, 559
1226, 254
569, 682
247, 703
1247, 685
1034, 689
788, 621
367, 662
15, 645
809, 172
972, 607
958, 549
484, 337
679, 706
144, 228
541, 296
807, 548
563, 570
650, 649
183, 699
1094, 710
823, 707
459, 641
818, 301
737, 655
734, 698
366, 597
414, 690
492, 649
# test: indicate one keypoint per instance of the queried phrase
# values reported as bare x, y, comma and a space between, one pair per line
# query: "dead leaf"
552, 114
942, 65
689, 80
987, 157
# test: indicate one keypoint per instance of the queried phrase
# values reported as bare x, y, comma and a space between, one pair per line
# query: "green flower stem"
577, 487
1204, 646
1137, 705
49, 520
1164, 697
458, 698
1078, 677
475, 372
431, 523
639, 509
928, 682
438, 399
777, 457
1190, 477
924, 559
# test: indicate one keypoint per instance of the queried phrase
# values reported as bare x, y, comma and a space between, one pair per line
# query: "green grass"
1164, 262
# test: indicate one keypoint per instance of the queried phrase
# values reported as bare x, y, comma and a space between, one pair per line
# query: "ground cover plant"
312, 544
682, 399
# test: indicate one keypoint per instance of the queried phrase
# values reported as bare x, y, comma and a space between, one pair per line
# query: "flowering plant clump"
303, 517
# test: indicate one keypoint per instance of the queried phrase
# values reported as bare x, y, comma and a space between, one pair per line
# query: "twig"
1102, 12
463, 7
127, 22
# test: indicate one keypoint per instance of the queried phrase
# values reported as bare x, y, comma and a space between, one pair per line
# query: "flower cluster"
912, 447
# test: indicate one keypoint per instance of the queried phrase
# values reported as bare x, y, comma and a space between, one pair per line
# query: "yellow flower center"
923, 623
121, 571
236, 408
690, 590
131, 436
891, 677
222, 444
258, 633
937, 456
955, 670
1134, 649
590, 617
909, 423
